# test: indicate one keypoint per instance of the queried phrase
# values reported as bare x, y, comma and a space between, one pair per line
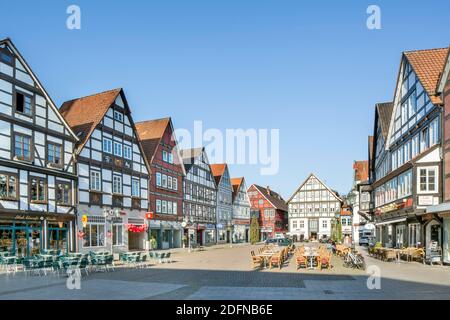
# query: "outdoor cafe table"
310, 257
267, 254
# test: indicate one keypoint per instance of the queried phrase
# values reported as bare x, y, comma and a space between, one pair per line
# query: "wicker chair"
276, 260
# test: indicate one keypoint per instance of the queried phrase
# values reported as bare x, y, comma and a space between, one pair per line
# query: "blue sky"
310, 68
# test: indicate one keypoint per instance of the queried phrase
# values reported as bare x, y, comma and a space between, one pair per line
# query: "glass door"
57, 238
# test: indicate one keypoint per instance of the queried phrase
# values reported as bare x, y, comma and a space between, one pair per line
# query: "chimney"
268, 190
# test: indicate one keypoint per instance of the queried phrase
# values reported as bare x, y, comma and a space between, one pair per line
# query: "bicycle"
354, 260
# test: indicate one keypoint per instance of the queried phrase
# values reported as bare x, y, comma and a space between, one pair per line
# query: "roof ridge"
94, 94
426, 50
153, 120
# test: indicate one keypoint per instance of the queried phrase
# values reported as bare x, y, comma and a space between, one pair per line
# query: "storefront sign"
425, 200
211, 226
240, 222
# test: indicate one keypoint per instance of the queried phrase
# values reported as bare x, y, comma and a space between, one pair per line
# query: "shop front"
210, 234
29, 235
166, 234
222, 233
241, 230
266, 233
113, 230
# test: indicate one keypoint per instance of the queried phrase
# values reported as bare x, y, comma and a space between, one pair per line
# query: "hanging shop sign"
149, 215
84, 220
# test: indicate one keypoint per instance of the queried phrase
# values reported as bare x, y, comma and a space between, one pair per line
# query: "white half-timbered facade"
312, 209
113, 173
37, 167
241, 211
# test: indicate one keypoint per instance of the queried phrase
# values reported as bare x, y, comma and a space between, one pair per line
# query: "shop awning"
390, 222
443, 207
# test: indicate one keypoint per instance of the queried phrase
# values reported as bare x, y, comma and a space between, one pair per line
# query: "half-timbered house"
200, 194
113, 173
241, 211
37, 170
313, 209
224, 209
271, 210
166, 188
411, 178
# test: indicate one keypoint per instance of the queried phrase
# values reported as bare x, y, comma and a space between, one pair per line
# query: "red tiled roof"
428, 65
217, 171
236, 184
273, 197
361, 170
84, 114
150, 134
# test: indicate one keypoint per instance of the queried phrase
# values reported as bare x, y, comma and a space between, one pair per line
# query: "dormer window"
23, 103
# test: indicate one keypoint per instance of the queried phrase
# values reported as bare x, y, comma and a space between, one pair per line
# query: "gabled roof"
274, 198
236, 183
384, 111
334, 193
150, 133
428, 66
445, 74
85, 113
188, 156
16, 52
218, 171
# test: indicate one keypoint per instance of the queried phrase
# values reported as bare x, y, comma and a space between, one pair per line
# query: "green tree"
254, 231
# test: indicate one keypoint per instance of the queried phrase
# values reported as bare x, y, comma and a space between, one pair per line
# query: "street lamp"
109, 216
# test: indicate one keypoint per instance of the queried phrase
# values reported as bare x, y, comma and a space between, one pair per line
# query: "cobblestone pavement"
222, 272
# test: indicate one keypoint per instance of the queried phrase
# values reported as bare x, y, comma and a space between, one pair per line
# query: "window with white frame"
107, 145
158, 206
175, 183
127, 152
170, 158
95, 181
169, 182
164, 181
302, 224
117, 234
164, 155
415, 147
294, 224
135, 188
94, 232
164, 206
117, 149
117, 184
424, 141
434, 132
428, 181
324, 224
158, 179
